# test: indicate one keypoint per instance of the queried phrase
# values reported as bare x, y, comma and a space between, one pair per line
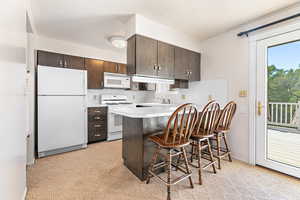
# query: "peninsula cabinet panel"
50, 59
165, 60
182, 62
146, 56
74, 62
95, 73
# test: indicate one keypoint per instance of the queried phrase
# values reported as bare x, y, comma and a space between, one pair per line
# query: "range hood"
146, 79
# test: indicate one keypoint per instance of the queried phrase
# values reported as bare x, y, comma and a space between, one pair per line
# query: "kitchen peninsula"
139, 122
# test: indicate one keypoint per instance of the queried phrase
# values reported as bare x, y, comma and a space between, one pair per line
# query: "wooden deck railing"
284, 114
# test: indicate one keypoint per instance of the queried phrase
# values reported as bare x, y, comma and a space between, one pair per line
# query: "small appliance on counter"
114, 122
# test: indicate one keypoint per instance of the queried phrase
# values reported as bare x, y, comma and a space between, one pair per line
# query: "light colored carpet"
97, 173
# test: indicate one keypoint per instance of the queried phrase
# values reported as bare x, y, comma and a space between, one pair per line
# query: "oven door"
114, 123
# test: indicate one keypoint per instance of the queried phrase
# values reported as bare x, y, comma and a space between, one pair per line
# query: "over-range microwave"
114, 80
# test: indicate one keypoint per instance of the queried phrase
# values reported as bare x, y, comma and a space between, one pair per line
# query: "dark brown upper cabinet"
114, 67
195, 66
74, 62
187, 64
50, 59
165, 60
60, 60
181, 64
146, 56
95, 69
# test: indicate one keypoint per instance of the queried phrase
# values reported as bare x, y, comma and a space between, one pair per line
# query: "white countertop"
156, 110
96, 105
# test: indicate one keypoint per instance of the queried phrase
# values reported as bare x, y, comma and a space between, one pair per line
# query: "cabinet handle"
97, 126
65, 64
116, 67
158, 68
97, 111
97, 118
190, 73
97, 135
154, 67
61, 63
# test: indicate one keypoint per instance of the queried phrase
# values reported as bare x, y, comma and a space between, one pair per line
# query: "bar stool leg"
227, 149
199, 161
211, 156
187, 166
169, 165
192, 153
153, 160
219, 150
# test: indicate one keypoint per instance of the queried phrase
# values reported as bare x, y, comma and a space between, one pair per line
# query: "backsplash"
198, 93
134, 96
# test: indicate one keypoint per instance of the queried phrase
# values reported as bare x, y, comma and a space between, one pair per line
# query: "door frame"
252, 41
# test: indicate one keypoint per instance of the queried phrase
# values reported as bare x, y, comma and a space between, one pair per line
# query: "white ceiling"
91, 22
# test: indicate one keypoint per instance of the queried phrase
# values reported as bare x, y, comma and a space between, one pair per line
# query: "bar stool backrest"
208, 119
181, 124
227, 115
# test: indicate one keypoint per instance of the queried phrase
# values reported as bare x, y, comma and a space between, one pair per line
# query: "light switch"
243, 93
183, 96
210, 97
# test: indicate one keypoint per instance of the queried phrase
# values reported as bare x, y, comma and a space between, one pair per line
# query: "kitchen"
117, 100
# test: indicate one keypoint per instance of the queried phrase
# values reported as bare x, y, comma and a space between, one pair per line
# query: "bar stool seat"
160, 140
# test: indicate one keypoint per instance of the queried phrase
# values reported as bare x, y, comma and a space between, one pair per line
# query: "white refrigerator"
61, 110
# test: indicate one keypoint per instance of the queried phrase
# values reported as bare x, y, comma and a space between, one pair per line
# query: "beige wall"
226, 56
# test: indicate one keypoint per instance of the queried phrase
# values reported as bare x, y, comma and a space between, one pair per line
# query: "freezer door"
61, 81
62, 122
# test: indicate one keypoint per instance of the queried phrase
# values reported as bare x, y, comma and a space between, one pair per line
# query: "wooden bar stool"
222, 129
204, 130
173, 140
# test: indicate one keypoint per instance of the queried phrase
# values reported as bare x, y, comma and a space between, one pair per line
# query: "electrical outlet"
210, 97
183, 96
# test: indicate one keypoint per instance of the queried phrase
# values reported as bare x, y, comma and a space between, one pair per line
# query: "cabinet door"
165, 60
146, 56
131, 49
95, 73
50, 59
110, 67
182, 63
194, 66
122, 68
74, 62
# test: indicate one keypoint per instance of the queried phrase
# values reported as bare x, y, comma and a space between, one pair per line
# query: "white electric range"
114, 122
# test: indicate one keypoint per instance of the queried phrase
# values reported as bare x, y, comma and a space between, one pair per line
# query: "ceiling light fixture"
118, 42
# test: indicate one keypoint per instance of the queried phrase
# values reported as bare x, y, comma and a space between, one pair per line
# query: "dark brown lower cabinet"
97, 124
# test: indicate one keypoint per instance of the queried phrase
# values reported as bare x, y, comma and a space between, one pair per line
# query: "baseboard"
240, 158
31, 162
24, 194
